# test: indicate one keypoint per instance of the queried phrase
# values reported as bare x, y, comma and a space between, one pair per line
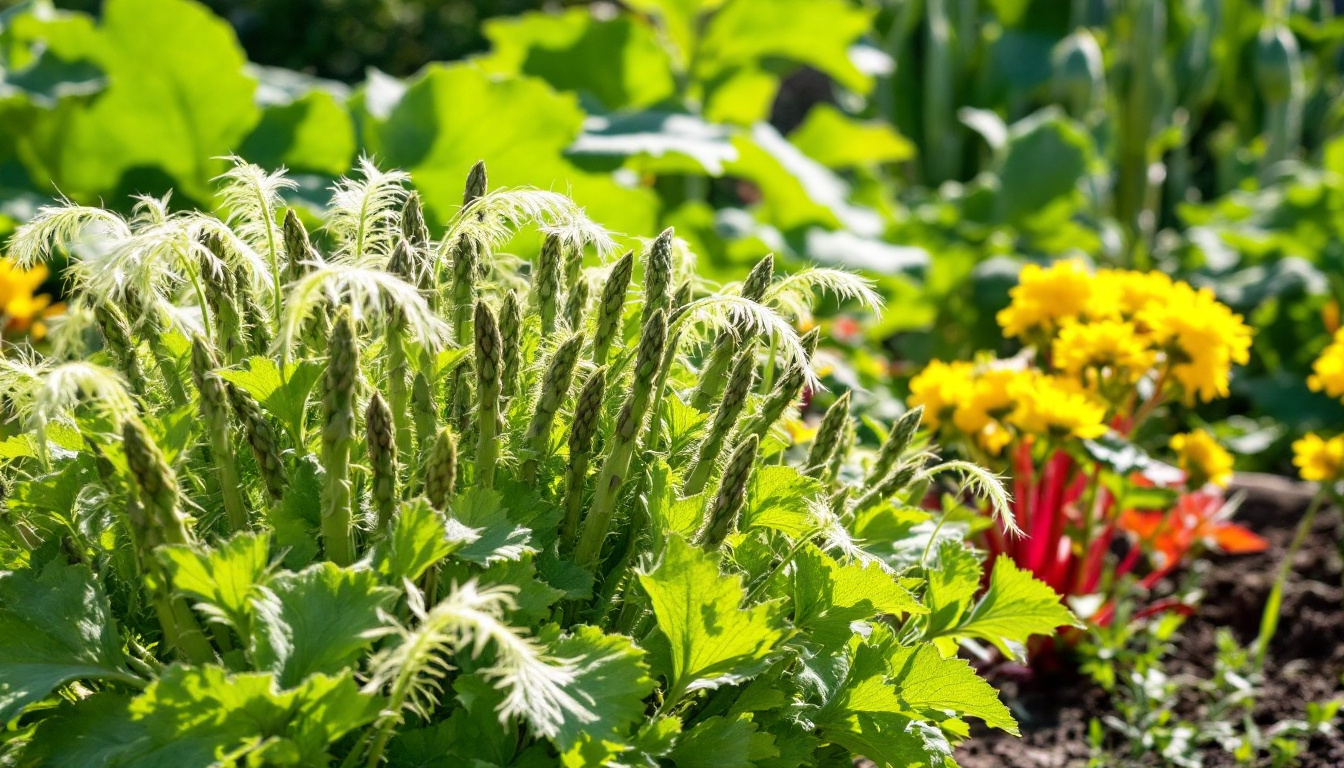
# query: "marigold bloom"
1113, 348
1046, 405
1202, 459
939, 388
1135, 290
1044, 298
1317, 459
1328, 371
20, 309
1202, 338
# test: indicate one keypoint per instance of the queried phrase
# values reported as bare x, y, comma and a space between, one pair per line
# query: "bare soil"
1305, 663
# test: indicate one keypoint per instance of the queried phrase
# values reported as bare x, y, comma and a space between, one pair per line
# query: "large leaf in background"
305, 126
662, 142
618, 61
177, 98
451, 116
817, 33
837, 140
711, 637
679, 18
317, 620
796, 191
55, 627
1045, 157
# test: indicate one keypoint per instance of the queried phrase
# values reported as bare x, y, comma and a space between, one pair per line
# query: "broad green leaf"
658, 142
478, 511
816, 33
612, 680
935, 686
617, 61
48, 501
320, 619
718, 742
1015, 607
838, 141
418, 539
223, 579
866, 716
518, 126
312, 133
780, 498
55, 627
177, 99
192, 711
954, 578
1044, 159
828, 597
679, 17
284, 397
96, 731
712, 638
295, 520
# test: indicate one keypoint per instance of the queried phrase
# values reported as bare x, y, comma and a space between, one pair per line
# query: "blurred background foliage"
935, 144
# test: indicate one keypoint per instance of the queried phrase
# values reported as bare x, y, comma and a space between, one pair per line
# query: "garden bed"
1305, 662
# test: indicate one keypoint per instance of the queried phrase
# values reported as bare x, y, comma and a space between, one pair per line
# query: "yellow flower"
1202, 338
1136, 290
990, 397
1111, 348
1319, 460
939, 388
19, 308
1049, 406
1202, 459
1044, 298
1328, 371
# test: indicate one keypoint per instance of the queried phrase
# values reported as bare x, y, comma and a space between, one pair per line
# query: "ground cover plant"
386, 497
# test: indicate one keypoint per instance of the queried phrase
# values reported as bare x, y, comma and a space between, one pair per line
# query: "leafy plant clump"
378, 498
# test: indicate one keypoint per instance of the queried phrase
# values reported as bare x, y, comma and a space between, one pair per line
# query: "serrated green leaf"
611, 678
719, 742
418, 539
479, 510
935, 686
320, 619
55, 627
1015, 607
712, 637
954, 578
285, 397
295, 520
223, 579
780, 497
828, 597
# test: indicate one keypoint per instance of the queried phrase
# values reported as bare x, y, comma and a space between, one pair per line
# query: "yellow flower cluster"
994, 403
1327, 374
1117, 326
1202, 459
20, 310
1317, 459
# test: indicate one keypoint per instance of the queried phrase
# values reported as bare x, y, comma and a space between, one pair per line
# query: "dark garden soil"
1305, 663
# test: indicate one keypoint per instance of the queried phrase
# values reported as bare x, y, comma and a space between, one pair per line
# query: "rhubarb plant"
375, 495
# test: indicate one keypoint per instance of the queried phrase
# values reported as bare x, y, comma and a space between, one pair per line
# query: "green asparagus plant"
541, 553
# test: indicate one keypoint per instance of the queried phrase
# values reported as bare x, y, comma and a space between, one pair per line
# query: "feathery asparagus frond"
365, 212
